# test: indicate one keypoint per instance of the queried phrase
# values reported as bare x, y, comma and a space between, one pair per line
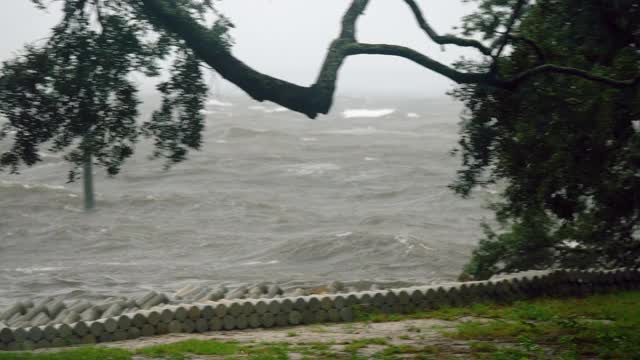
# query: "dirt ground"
417, 333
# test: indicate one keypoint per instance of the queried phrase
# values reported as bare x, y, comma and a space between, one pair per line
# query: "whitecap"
344, 234
367, 113
370, 159
216, 102
312, 169
72, 209
48, 155
254, 263
307, 139
30, 270
412, 115
276, 110
369, 130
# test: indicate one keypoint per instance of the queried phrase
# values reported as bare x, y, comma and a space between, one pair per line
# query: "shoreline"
239, 314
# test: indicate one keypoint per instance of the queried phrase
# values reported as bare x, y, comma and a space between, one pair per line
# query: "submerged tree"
74, 94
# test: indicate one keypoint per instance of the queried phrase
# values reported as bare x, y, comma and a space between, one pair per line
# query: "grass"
357, 345
178, 350
602, 327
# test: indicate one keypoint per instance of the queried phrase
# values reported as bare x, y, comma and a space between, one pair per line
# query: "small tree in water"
75, 95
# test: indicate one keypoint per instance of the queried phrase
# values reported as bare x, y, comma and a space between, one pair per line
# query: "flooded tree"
75, 94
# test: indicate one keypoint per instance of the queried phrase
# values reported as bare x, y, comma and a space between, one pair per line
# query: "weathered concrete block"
242, 322
20, 334
180, 312
140, 301
216, 324
133, 332
215, 294
229, 322
6, 334
63, 330
238, 293
96, 328
167, 314
35, 333
308, 317
221, 310
267, 319
333, 315
58, 342
40, 319
282, 319
17, 308
274, 290
90, 314
155, 301
162, 328
202, 325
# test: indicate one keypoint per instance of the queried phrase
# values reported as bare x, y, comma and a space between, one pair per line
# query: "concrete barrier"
51, 323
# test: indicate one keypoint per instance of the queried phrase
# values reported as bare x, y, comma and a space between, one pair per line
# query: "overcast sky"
288, 39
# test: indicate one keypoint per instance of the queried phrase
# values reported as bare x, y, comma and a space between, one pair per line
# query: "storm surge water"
357, 196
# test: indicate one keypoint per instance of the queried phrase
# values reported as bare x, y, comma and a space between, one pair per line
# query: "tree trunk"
89, 198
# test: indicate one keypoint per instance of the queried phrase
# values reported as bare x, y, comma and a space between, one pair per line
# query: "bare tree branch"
318, 98
418, 58
504, 39
444, 39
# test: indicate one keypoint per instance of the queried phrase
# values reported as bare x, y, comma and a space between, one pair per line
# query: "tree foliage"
564, 150
75, 93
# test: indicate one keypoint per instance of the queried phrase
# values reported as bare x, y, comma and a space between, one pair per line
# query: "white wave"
221, 141
370, 159
72, 209
31, 270
48, 155
312, 169
29, 186
344, 234
367, 113
276, 110
206, 112
369, 130
308, 139
216, 102
254, 263
257, 107
412, 115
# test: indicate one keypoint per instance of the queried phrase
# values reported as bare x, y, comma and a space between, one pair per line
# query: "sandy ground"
418, 333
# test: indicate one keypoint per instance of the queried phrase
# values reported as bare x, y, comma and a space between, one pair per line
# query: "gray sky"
288, 39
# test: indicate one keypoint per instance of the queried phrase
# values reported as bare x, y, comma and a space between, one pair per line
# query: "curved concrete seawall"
52, 323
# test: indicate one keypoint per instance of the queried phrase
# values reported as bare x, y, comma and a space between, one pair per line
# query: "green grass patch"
177, 351
356, 345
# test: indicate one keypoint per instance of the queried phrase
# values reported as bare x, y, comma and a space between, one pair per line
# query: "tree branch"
536, 48
318, 98
550, 68
418, 58
504, 39
444, 39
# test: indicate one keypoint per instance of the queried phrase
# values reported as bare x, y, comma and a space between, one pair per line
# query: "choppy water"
272, 196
